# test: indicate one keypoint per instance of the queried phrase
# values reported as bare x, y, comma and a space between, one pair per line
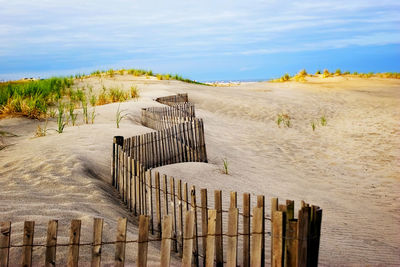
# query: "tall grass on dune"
32, 98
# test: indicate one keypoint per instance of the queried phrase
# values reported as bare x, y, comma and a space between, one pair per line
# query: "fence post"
51, 243
121, 242
74, 238
256, 248
274, 207
218, 232
143, 240
291, 243
180, 219
158, 202
150, 201
118, 140
188, 239
173, 212
278, 233
210, 249
261, 204
5, 228
29, 228
314, 236
302, 234
97, 239
166, 241
195, 232
204, 221
246, 230
232, 237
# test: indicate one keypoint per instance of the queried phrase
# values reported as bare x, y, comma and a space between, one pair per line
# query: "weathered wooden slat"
173, 213
278, 233
302, 234
97, 239
143, 240
195, 229
165, 186
204, 219
5, 234
188, 239
246, 229
180, 219
121, 242
210, 248
233, 221
29, 228
166, 241
185, 196
74, 238
233, 200
51, 243
158, 202
257, 237
274, 207
150, 200
219, 248
291, 244
261, 204
314, 236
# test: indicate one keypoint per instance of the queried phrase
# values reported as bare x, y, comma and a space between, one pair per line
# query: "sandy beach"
350, 167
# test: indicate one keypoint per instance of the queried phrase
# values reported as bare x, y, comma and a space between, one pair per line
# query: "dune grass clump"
32, 98
283, 119
317, 72
301, 76
134, 92
118, 95
326, 74
60, 118
338, 72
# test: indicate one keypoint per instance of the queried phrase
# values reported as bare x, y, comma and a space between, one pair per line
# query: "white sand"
350, 167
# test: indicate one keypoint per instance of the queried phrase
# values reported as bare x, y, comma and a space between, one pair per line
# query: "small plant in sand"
317, 72
60, 118
85, 111
72, 113
93, 115
323, 121
338, 72
119, 116
283, 119
41, 131
134, 92
110, 72
225, 169
313, 125
93, 100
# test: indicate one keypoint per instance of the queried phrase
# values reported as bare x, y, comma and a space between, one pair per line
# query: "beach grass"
32, 98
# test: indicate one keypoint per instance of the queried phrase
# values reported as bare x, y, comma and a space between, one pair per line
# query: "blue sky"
202, 40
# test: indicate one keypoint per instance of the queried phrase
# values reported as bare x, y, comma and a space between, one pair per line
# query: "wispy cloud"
64, 30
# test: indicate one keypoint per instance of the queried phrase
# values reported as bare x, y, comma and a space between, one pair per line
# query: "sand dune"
350, 167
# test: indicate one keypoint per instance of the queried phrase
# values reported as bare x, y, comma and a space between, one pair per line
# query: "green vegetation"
134, 92
326, 74
313, 125
118, 95
119, 116
41, 131
225, 170
317, 72
323, 121
60, 118
283, 119
338, 72
31, 98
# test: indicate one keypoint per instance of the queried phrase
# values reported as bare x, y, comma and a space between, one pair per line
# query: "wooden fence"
294, 242
168, 209
154, 195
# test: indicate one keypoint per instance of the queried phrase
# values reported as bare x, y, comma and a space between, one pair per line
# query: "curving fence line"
180, 138
168, 209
